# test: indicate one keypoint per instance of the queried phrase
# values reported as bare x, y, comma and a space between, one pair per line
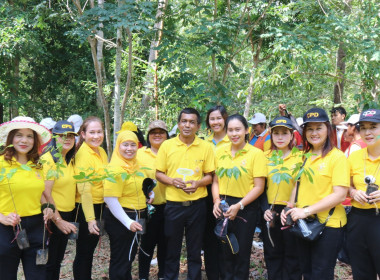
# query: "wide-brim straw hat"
21, 123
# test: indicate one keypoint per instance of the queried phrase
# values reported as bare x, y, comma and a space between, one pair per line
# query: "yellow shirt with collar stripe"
148, 159
89, 193
357, 160
25, 186
65, 187
331, 170
198, 157
249, 158
223, 142
281, 192
129, 192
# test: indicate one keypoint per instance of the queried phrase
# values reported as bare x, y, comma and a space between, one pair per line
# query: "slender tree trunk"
129, 77
15, 87
340, 71
153, 53
117, 118
99, 81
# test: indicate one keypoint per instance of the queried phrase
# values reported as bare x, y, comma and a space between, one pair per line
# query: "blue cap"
370, 115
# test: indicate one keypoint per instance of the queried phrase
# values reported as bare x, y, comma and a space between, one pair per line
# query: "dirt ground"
101, 262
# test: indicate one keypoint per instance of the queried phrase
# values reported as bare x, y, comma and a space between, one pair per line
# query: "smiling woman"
21, 195
60, 190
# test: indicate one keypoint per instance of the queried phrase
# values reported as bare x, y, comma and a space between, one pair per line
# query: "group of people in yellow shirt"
198, 181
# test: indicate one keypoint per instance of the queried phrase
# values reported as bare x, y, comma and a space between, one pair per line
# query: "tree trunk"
116, 118
99, 81
129, 77
153, 53
340, 71
15, 87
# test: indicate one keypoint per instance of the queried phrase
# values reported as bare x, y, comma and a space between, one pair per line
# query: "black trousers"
190, 219
281, 260
85, 245
57, 247
155, 235
122, 251
237, 266
318, 259
363, 243
213, 252
10, 254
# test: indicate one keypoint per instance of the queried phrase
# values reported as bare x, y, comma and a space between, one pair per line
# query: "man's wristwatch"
241, 205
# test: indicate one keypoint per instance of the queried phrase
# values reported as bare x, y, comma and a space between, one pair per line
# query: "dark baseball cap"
281, 121
370, 115
64, 127
315, 115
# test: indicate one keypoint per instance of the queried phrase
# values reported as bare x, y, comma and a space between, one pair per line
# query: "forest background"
142, 60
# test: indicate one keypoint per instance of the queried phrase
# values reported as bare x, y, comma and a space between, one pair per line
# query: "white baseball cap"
354, 119
258, 118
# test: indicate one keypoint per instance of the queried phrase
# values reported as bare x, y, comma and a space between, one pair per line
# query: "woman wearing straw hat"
155, 235
90, 160
58, 161
21, 195
126, 205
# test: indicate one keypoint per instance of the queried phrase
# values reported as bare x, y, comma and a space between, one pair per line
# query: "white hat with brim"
21, 123
258, 118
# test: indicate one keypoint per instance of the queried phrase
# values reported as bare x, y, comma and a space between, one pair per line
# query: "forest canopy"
142, 60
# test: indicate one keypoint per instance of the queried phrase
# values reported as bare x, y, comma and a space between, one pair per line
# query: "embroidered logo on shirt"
38, 175
243, 162
322, 166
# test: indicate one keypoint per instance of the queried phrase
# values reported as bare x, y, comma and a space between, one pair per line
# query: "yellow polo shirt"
198, 157
221, 143
26, 187
356, 161
65, 187
249, 158
284, 189
148, 159
128, 192
89, 193
331, 170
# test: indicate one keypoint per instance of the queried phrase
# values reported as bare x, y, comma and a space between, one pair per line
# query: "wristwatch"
306, 211
241, 205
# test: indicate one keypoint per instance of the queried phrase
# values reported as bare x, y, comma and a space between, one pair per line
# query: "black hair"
190, 111
147, 138
329, 143
241, 119
222, 111
339, 109
140, 136
53, 149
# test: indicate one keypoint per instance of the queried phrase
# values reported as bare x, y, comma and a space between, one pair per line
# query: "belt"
185, 203
364, 212
127, 210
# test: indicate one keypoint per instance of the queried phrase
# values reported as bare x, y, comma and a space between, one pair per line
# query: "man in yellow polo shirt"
185, 164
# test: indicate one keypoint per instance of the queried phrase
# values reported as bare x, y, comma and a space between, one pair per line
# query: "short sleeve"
260, 168
162, 158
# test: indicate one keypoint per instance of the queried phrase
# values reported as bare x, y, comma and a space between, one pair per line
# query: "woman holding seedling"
363, 227
321, 196
58, 162
280, 256
247, 168
90, 161
23, 207
126, 212
155, 235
